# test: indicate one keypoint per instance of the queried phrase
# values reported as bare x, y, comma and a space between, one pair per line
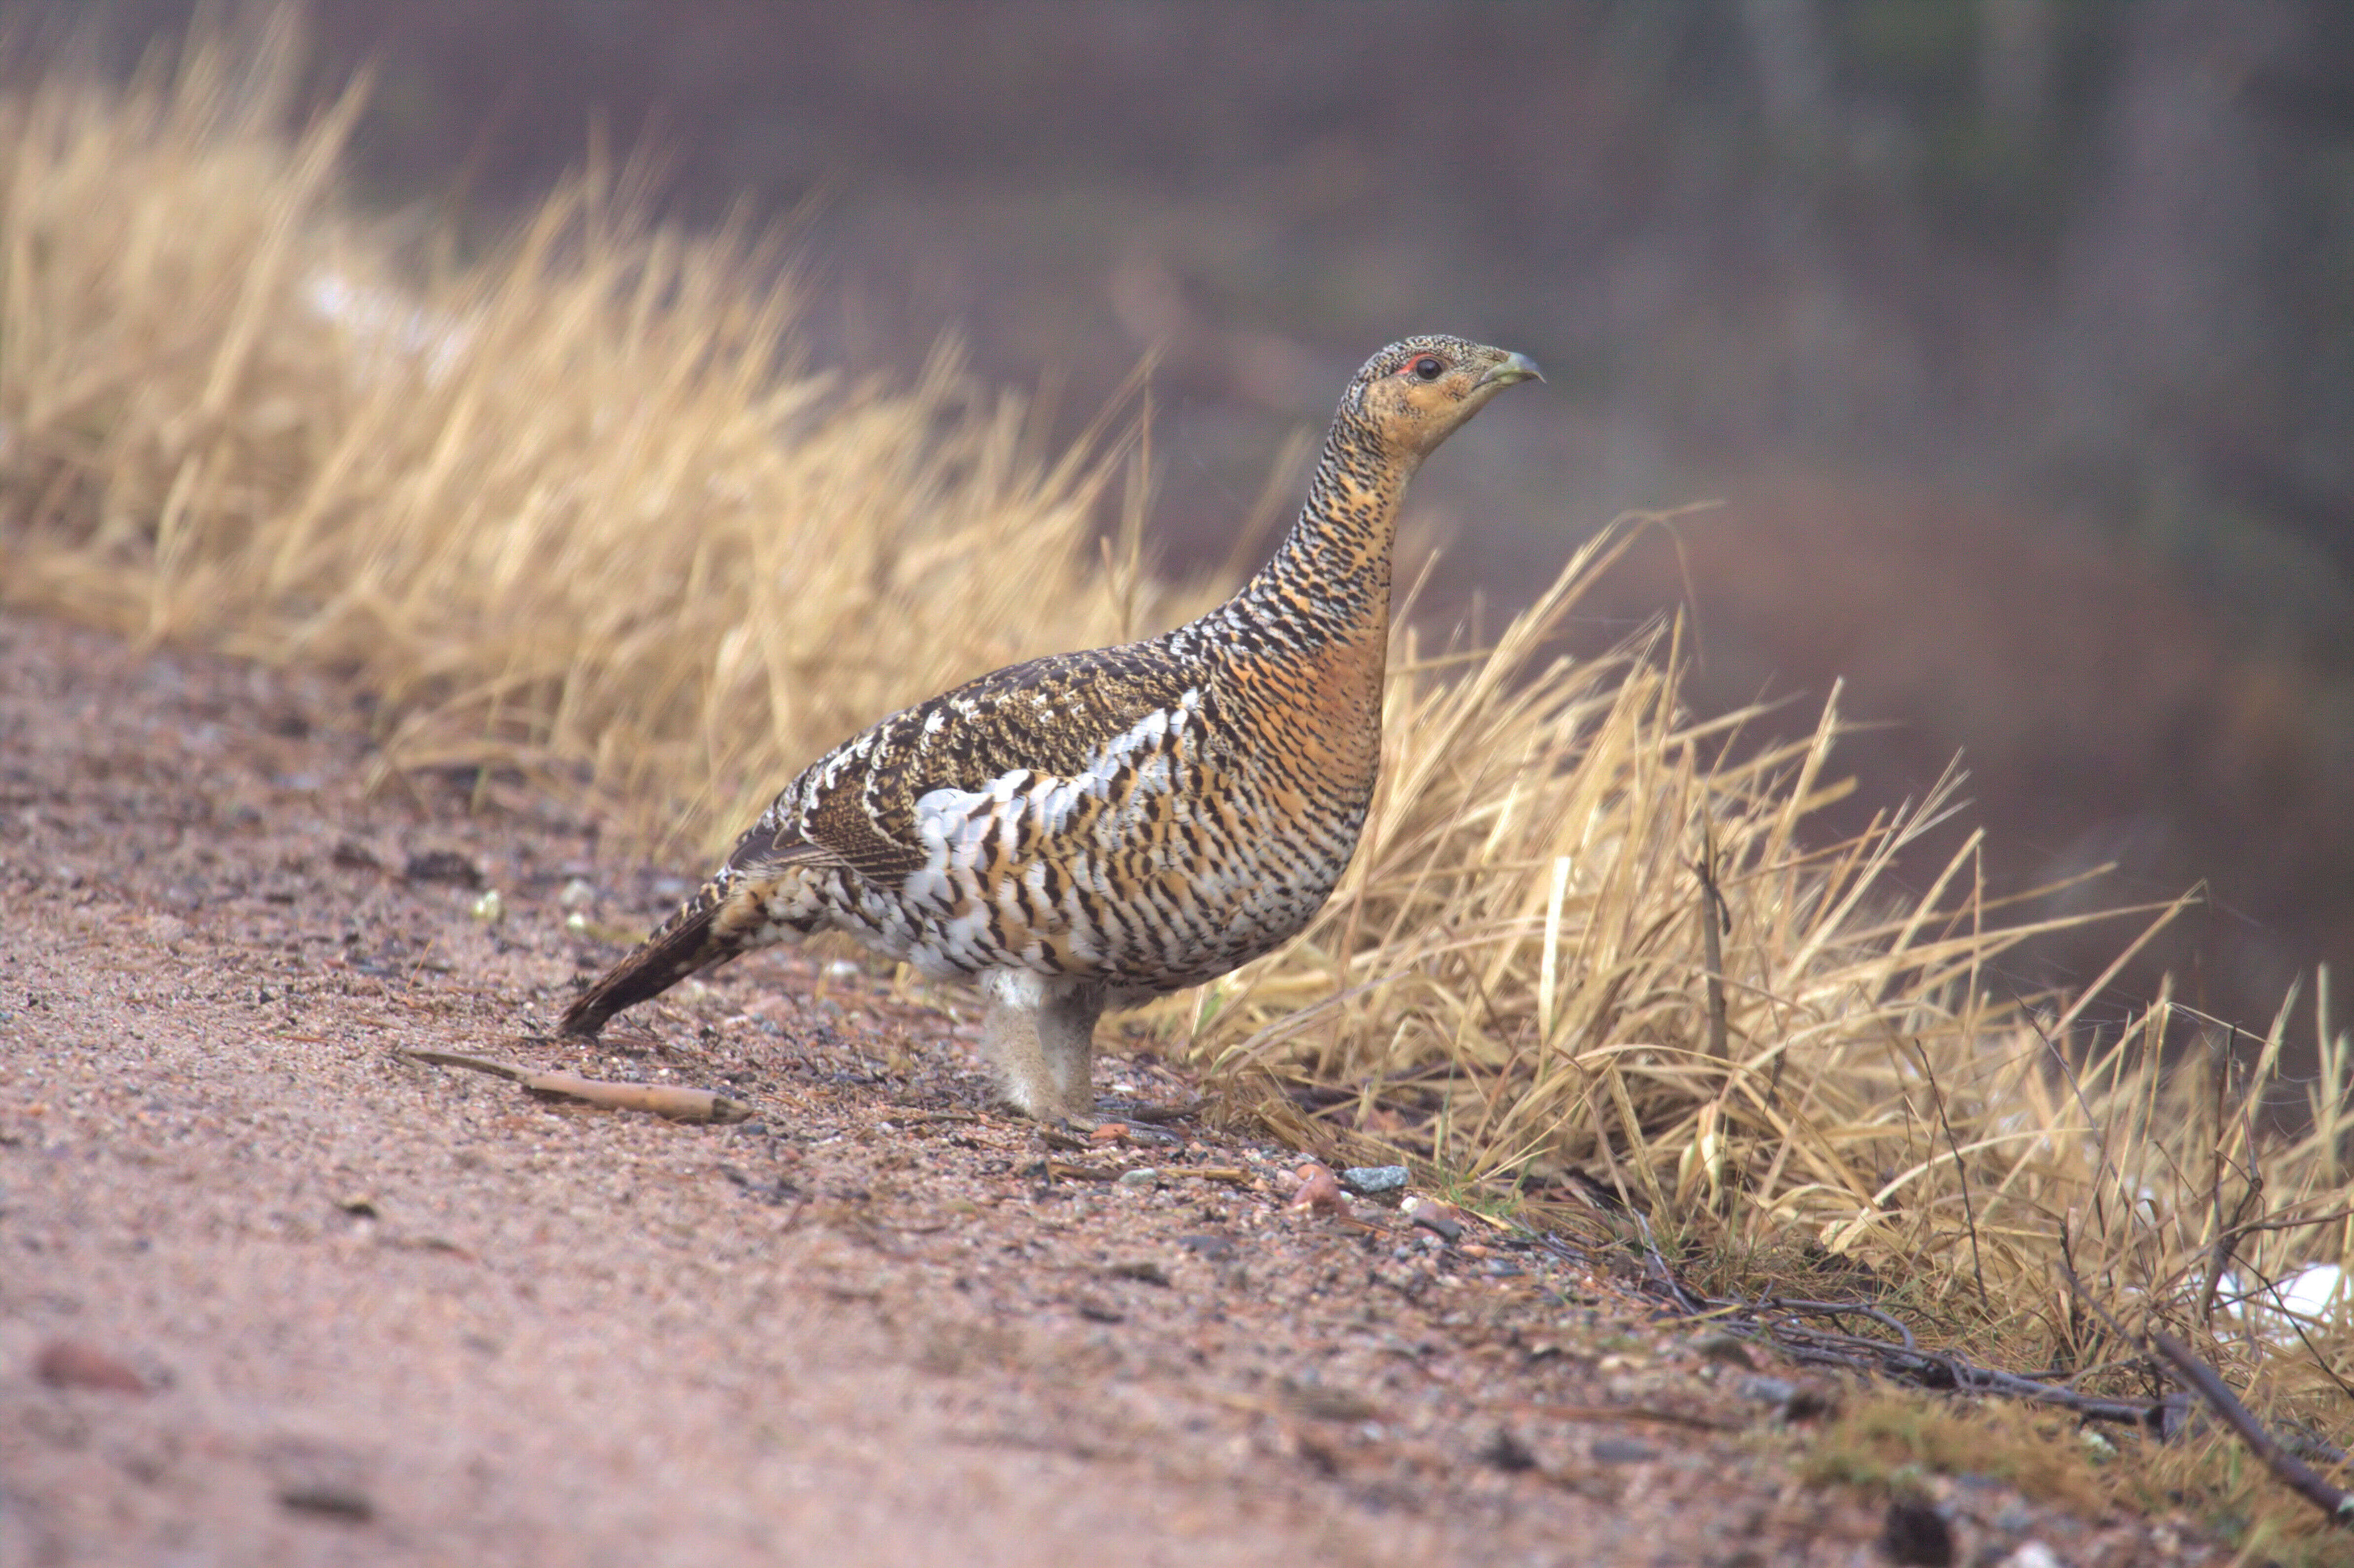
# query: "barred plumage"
1110, 825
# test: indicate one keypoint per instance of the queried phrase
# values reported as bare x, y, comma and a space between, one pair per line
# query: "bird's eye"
1429, 368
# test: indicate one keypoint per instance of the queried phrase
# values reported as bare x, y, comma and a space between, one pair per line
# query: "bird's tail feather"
690, 940
730, 913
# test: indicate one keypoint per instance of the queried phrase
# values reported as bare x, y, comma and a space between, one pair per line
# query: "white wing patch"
994, 850
957, 825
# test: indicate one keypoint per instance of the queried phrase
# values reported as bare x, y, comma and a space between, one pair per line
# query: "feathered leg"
1039, 1035
1067, 1031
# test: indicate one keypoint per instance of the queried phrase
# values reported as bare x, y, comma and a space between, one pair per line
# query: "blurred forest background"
2017, 336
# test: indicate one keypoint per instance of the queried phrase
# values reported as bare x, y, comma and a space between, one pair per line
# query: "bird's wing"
1022, 729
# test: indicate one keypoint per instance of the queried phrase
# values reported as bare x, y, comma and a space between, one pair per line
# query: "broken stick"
658, 1099
2295, 1473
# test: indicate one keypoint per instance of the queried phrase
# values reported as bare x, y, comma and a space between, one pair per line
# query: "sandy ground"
273, 1293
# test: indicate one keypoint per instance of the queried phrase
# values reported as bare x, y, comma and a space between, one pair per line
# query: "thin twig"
2275, 1221
2076, 1332
1840, 1308
666, 1100
2227, 1242
2208, 1384
2226, 1238
1715, 921
1961, 1172
1905, 1362
2293, 1471
2292, 1318
1665, 1278
2075, 1087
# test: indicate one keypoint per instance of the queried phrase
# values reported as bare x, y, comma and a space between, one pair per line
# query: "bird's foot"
1122, 1122
1146, 1112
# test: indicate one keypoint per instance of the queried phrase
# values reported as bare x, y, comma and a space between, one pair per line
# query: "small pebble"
1508, 1452
1327, 1401
1792, 1400
489, 908
578, 893
349, 1504
1366, 1181
575, 922
1143, 1176
2031, 1554
73, 1363
1432, 1215
1729, 1350
1621, 1451
1318, 1193
1916, 1533
443, 865
1143, 1269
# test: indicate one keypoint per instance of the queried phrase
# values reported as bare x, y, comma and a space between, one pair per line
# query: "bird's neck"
1329, 581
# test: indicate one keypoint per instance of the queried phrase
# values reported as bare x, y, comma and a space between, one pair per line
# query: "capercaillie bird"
1105, 827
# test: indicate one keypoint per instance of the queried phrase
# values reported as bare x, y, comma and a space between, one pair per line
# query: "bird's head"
1414, 393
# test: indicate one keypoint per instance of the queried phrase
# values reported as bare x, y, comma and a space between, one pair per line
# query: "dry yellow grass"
579, 509
576, 504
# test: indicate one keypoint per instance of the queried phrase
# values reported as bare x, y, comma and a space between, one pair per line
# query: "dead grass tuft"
1833, 1092
581, 510
1892, 1446
579, 505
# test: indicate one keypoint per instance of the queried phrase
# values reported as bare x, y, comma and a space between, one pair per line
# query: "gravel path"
270, 1292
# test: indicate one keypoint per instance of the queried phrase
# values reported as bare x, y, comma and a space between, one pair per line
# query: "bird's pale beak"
1512, 367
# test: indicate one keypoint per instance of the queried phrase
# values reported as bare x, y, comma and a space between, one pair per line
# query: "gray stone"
1621, 1451
1369, 1180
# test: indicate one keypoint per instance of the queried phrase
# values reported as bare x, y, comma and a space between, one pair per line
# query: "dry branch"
671, 1103
1770, 1319
2294, 1472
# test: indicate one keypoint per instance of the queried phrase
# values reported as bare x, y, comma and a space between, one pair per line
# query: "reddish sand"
270, 1292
